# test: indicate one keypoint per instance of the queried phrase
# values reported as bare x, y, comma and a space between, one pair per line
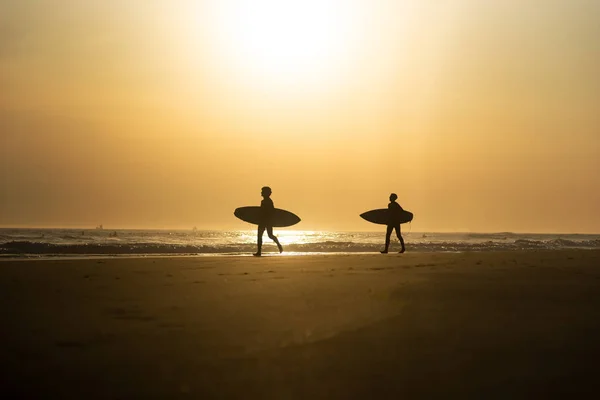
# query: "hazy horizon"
482, 117
406, 229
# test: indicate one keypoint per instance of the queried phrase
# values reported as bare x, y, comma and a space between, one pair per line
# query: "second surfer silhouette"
394, 209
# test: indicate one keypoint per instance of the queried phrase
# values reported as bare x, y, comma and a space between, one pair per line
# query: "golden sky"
481, 116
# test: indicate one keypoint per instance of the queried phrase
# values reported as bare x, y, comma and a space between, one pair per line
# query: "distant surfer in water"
394, 209
267, 207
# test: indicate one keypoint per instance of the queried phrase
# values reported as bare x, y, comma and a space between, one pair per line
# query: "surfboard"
381, 216
280, 218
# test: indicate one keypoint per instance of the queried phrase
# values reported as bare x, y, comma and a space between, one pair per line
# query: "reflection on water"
86, 242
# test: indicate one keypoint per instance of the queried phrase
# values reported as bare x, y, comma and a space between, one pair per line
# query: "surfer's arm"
267, 205
266, 208
395, 206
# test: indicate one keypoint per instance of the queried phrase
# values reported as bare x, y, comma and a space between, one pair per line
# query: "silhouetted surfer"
267, 207
394, 211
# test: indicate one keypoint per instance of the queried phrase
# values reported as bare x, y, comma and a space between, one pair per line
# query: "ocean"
44, 243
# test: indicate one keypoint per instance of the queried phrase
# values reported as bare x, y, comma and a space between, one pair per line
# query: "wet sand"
416, 325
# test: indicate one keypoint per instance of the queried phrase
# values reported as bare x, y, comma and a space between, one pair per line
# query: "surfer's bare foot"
402, 251
280, 248
256, 254
383, 251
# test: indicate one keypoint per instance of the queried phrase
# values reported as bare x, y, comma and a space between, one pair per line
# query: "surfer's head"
265, 191
393, 197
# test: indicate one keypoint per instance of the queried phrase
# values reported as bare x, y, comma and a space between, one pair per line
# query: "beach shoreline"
475, 324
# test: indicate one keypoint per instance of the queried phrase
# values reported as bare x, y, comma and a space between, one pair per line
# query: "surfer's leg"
274, 238
388, 233
399, 234
261, 230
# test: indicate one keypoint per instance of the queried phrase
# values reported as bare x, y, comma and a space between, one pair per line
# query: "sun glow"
286, 43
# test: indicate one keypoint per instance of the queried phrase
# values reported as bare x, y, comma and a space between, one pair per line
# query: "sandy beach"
417, 325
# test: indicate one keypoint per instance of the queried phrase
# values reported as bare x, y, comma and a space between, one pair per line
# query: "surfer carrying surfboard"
394, 211
267, 207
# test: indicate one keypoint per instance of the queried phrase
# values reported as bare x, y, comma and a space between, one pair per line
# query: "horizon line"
290, 229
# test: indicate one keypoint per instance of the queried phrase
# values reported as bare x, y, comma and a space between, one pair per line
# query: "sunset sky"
481, 115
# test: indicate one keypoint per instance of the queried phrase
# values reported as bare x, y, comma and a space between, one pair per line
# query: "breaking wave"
27, 247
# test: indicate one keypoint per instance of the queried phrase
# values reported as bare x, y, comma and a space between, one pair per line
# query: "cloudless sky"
481, 116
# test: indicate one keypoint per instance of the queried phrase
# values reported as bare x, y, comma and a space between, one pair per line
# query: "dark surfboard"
279, 218
382, 216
